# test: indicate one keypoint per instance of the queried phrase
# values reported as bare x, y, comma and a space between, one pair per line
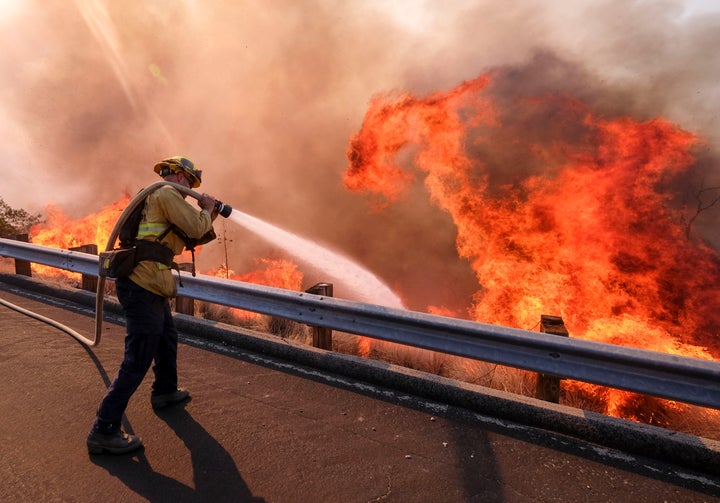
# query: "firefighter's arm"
181, 213
208, 203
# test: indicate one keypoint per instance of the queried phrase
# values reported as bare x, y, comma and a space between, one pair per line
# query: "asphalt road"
260, 428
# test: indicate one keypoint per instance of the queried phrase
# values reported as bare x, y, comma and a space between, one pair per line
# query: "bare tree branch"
702, 205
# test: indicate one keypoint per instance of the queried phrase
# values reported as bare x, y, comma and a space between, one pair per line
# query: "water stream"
337, 269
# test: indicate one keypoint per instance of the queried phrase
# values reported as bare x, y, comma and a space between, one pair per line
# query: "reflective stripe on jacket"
151, 230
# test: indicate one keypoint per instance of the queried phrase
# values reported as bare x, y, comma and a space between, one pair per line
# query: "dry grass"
282, 327
702, 422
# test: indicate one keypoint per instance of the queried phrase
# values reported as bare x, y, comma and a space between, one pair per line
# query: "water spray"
368, 287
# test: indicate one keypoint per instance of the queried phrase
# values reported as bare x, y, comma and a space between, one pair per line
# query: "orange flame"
559, 211
59, 231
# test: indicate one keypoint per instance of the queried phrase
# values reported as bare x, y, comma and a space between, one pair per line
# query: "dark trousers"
151, 336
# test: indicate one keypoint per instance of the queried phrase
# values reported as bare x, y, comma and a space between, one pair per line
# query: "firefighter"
168, 220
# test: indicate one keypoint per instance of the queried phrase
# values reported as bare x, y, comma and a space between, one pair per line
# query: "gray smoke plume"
264, 97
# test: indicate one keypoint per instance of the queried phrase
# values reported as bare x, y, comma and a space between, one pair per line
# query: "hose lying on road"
49, 321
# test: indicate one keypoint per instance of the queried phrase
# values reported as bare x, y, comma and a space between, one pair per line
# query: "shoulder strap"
129, 230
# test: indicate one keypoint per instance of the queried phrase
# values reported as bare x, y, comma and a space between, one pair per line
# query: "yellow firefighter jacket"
163, 207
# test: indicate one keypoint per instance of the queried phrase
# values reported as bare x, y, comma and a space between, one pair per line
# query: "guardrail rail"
680, 378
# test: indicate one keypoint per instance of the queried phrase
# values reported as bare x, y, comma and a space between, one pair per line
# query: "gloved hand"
207, 202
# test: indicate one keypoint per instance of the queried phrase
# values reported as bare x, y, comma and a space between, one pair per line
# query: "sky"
265, 95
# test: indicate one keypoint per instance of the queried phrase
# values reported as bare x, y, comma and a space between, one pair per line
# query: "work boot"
165, 399
113, 443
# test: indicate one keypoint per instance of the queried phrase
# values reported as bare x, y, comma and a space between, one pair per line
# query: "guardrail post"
322, 337
88, 283
22, 266
548, 386
185, 305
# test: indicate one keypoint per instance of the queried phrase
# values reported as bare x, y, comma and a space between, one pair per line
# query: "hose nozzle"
223, 209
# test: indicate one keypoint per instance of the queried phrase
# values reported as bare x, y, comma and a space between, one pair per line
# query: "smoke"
265, 96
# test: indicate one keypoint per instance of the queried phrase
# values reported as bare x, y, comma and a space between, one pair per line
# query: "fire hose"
223, 209
49, 321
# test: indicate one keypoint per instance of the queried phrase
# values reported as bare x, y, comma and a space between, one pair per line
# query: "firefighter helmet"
180, 164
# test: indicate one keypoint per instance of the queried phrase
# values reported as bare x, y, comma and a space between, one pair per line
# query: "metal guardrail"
679, 378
